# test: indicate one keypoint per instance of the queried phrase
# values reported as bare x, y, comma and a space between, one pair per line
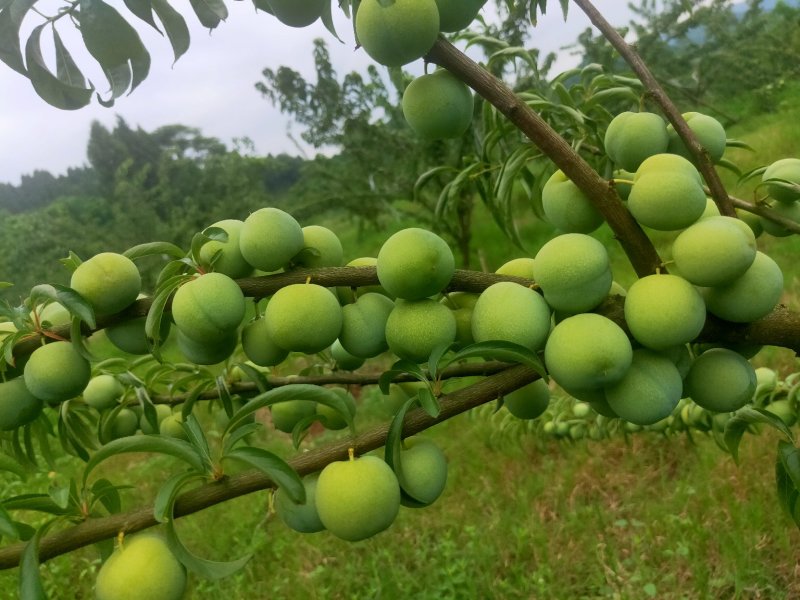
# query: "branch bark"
210, 494
602, 194
664, 102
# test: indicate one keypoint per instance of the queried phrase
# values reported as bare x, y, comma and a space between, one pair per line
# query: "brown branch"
764, 211
210, 494
337, 378
602, 194
654, 89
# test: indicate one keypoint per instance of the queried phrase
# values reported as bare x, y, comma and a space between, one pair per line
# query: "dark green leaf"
503, 351
114, 44
299, 391
76, 304
49, 87
147, 443
741, 421
274, 467
143, 10
327, 20
8, 527
175, 26
36, 502
168, 492
209, 12
239, 434
205, 568
107, 494
786, 480
154, 249
428, 401
30, 579
66, 69
789, 456
255, 376
196, 437
401, 367
739, 144
393, 449
435, 358
9, 464
11, 17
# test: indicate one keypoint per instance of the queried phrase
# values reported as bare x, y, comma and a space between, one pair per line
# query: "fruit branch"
764, 211
657, 93
417, 420
338, 378
635, 243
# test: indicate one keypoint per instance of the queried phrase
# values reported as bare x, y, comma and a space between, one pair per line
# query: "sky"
211, 87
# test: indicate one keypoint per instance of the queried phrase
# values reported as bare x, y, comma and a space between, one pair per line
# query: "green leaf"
205, 568
274, 467
66, 69
143, 10
36, 502
175, 26
49, 87
30, 579
435, 358
209, 12
240, 434
76, 304
730, 166
148, 443
11, 17
739, 144
786, 479
298, 391
741, 421
168, 492
9, 464
154, 249
503, 351
789, 456
152, 325
429, 402
401, 367
114, 44
8, 527
327, 20
107, 494
255, 376
196, 437
394, 446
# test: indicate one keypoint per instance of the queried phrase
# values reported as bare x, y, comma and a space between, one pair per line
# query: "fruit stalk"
602, 194
227, 488
666, 105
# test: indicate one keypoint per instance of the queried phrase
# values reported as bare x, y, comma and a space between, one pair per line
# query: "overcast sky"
211, 87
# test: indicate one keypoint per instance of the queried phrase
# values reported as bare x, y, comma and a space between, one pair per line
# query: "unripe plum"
297, 13
438, 106
303, 317
567, 207
103, 392
721, 380
56, 372
230, 261
424, 471
302, 517
259, 347
208, 308
397, 33
415, 263
321, 248
363, 331
18, 406
708, 131
455, 15
415, 329
633, 137
513, 313
270, 238
789, 170
357, 498
109, 281
528, 402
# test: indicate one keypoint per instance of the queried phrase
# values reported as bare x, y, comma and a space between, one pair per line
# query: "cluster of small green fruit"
566, 418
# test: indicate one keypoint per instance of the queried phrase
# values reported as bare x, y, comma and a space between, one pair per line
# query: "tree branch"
602, 193
669, 109
210, 494
766, 212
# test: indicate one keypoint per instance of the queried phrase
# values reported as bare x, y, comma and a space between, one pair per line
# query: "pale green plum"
749, 297
529, 401
784, 410
303, 317
415, 329
331, 418
788, 210
348, 295
259, 347
709, 133
438, 106
574, 272
587, 351
714, 251
208, 308
18, 406
721, 380
423, 472
207, 352
787, 169
511, 312
129, 336
285, 415
397, 33
124, 424
667, 199
663, 311
343, 359
357, 498
321, 248
633, 137
567, 207
752, 220
648, 392
270, 238
414, 264
172, 426
363, 331
297, 13
141, 568
302, 517
229, 261
162, 412
56, 372
108, 281
455, 15
519, 267
55, 314
103, 392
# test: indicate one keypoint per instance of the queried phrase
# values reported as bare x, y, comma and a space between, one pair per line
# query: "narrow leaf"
66, 69
274, 467
49, 87
503, 351
154, 249
175, 26
168, 492
205, 568
209, 12
11, 17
